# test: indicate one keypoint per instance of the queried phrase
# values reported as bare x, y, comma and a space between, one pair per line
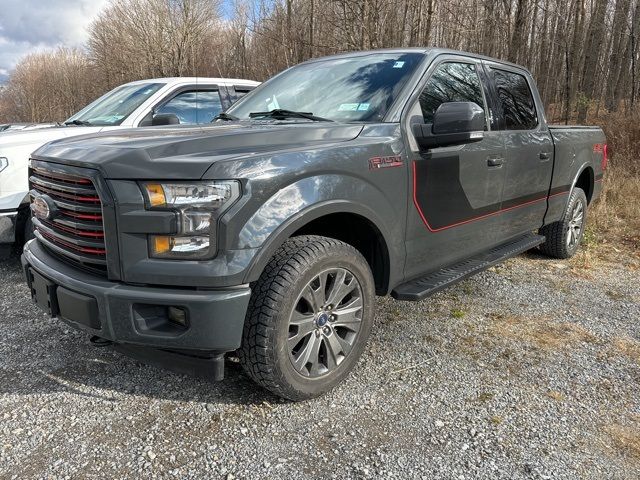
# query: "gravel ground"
529, 370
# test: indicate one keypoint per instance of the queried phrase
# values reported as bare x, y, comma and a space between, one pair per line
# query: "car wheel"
563, 238
309, 317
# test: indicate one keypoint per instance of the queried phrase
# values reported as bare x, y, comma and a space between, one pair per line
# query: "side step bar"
421, 288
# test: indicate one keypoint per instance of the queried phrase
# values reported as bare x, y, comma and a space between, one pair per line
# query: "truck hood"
39, 136
187, 152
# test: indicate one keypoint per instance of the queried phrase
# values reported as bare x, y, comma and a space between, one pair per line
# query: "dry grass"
618, 208
541, 333
615, 217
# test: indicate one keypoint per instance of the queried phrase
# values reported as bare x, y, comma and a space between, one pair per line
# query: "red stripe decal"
431, 229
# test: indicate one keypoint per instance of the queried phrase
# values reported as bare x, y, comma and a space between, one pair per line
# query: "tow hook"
97, 341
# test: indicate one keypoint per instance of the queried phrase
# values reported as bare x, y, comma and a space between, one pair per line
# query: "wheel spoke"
316, 296
308, 354
298, 318
304, 329
332, 358
572, 237
347, 314
337, 346
340, 289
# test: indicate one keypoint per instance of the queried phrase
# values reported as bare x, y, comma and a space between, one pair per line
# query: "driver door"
457, 190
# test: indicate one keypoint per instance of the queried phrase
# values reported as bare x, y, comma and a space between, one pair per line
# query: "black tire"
28, 230
266, 353
23, 229
558, 243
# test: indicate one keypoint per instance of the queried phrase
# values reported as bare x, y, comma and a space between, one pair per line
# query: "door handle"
495, 161
544, 156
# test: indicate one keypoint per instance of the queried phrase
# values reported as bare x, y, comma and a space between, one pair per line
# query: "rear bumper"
136, 315
7, 226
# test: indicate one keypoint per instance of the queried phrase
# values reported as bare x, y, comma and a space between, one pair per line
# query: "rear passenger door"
529, 149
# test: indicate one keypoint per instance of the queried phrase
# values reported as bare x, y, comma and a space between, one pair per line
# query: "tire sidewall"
339, 257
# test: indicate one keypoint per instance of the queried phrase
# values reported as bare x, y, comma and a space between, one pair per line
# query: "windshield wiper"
281, 114
225, 116
83, 123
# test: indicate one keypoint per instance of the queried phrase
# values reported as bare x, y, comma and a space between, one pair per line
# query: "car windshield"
351, 89
113, 107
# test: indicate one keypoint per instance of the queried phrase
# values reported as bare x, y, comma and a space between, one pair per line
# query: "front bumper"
8, 226
131, 314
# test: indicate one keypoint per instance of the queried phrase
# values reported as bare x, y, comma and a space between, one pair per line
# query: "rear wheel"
563, 237
309, 317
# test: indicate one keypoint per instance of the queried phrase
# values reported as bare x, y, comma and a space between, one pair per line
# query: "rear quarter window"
514, 94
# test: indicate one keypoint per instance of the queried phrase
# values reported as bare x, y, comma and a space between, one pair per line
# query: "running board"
421, 288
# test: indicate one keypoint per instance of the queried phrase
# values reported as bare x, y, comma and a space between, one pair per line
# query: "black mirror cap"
454, 123
458, 117
163, 119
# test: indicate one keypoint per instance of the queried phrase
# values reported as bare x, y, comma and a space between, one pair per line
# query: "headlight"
4, 163
199, 206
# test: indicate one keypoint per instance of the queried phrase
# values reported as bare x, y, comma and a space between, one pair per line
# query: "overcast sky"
31, 25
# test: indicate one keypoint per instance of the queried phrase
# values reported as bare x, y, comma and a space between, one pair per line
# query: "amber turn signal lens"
155, 192
161, 244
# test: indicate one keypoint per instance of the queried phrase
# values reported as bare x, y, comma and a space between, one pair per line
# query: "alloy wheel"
325, 322
575, 225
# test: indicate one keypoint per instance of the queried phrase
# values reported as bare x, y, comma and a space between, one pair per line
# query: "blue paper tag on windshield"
398, 65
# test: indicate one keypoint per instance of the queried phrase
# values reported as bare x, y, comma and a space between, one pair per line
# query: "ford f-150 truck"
136, 104
270, 232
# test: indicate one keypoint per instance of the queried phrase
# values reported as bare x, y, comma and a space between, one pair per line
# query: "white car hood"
40, 136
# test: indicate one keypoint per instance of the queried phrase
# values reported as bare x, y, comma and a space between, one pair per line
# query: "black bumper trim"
216, 317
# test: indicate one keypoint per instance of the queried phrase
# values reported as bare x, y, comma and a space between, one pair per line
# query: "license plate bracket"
43, 293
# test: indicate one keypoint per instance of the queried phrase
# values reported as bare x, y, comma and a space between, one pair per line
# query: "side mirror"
163, 119
454, 123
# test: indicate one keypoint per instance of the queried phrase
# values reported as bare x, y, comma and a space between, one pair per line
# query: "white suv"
161, 101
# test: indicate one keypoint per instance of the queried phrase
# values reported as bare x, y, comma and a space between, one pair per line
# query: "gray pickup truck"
270, 232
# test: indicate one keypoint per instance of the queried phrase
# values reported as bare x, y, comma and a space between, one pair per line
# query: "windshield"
353, 89
115, 106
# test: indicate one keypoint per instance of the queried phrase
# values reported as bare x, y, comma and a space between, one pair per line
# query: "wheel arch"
350, 222
585, 180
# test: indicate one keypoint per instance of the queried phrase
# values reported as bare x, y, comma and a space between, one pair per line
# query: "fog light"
177, 315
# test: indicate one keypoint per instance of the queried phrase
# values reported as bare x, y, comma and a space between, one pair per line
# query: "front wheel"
563, 237
309, 317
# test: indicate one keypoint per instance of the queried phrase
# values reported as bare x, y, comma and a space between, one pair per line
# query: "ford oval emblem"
43, 207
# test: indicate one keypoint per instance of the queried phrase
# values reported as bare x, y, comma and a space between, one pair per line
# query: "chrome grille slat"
76, 231
72, 207
57, 185
75, 257
79, 224
52, 229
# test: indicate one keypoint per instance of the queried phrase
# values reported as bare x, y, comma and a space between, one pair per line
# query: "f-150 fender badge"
385, 162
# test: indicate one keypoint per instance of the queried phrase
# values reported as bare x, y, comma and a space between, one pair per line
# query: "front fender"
309, 199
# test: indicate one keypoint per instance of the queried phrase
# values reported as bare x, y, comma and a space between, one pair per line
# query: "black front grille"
76, 231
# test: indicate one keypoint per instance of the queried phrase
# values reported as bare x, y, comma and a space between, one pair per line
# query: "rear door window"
514, 94
193, 106
451, 82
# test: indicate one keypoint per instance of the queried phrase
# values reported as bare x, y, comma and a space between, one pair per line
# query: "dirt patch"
625, 439
542, 333
628, 347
